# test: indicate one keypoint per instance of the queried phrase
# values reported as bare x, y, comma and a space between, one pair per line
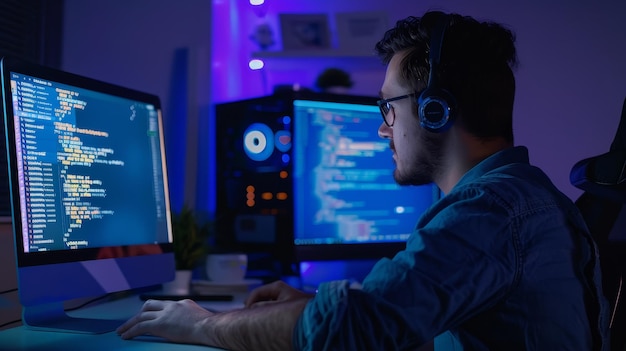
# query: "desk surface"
21, 338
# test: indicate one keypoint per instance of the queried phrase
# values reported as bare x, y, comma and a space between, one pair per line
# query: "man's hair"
476, 65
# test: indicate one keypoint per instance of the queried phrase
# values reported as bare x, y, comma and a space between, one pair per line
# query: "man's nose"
384, 131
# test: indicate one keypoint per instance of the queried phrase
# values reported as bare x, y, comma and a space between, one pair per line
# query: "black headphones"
435, 105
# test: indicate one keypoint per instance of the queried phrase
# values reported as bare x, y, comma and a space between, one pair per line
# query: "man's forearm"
264, 328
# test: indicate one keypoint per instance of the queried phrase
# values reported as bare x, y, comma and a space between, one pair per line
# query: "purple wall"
570, 80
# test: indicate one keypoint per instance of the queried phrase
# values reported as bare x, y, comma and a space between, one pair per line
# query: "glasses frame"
385, 107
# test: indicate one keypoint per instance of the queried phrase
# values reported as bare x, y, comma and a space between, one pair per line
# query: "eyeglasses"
386, 107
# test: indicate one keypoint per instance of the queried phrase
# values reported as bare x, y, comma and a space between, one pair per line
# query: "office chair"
603, 179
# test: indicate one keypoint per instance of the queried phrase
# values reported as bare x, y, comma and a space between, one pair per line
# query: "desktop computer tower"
254, 205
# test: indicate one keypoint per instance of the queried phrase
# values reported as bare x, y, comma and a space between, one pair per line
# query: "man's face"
416, 152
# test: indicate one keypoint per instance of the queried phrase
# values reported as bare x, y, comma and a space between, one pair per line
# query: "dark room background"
570, 82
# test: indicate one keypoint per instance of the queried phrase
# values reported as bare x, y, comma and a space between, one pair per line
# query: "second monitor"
346, 201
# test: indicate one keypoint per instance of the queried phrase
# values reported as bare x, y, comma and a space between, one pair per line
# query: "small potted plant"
191, 244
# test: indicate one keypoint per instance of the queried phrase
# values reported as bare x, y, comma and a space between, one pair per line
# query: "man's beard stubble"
426, 163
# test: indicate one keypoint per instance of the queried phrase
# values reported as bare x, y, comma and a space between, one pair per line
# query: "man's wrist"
206, 333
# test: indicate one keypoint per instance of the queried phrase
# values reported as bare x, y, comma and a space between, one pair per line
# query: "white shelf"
330, 53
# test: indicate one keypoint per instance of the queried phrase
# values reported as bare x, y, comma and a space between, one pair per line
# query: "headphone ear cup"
436, 109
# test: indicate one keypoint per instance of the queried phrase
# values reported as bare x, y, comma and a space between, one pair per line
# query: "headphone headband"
436, 106
436, 42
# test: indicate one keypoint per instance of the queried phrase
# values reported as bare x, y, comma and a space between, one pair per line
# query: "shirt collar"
515, 154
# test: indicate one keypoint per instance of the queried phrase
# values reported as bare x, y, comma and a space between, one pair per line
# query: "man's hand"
277, 291
268, 325
177, 321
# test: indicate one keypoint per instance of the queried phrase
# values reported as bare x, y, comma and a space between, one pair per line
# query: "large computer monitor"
346, 201
89, 191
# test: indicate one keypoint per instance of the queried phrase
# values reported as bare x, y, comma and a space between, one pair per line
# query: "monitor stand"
52, 317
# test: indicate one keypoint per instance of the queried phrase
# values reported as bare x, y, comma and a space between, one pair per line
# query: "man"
502, 262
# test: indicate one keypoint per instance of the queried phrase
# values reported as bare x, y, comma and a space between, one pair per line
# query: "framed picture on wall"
301, 32
358, 32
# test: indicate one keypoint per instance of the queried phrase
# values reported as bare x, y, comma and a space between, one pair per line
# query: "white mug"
226, 267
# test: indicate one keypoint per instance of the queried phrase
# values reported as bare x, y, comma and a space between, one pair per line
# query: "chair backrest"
603, 179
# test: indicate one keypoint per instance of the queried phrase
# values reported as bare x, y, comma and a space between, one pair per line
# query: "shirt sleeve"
460, 260
341, 318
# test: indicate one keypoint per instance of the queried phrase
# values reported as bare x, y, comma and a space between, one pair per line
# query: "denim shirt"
502, 262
